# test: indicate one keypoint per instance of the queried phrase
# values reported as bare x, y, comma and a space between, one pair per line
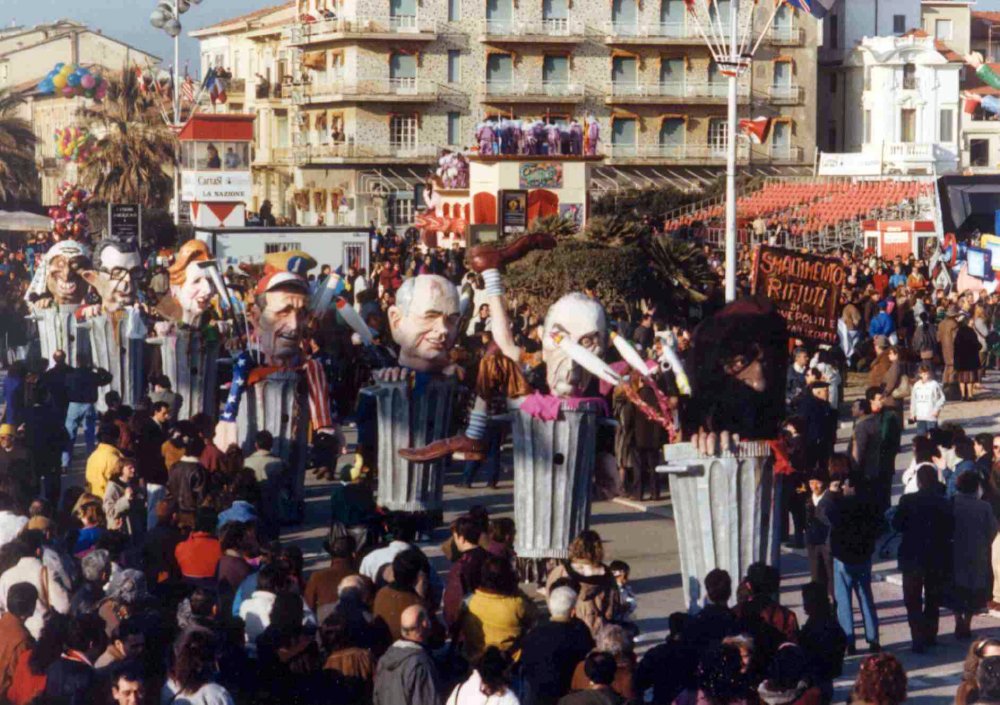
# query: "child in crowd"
620, 570
926, 400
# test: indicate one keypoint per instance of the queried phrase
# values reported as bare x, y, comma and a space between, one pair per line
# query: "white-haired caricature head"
582, 320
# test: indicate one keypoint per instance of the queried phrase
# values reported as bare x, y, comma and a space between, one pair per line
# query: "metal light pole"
734, 49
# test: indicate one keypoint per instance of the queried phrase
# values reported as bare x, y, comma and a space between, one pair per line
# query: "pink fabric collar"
547, 406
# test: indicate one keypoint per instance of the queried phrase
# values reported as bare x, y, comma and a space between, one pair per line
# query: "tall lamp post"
166, 16
733, 41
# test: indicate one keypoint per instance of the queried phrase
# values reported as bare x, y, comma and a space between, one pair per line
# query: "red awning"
230, 127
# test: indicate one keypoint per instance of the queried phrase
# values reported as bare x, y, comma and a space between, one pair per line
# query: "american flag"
187, 90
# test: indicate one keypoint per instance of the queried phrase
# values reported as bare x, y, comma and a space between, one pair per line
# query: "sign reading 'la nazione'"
215, 186
804, 288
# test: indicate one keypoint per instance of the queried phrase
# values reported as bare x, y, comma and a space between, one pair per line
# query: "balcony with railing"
785, 94
533, 91
349, 151
370, 90
698, 92
548, 31
710, 154
779, 154
368, 27
786, 34
652, 33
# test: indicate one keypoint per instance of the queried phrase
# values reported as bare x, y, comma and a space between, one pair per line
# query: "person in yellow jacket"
497, 613
103, 460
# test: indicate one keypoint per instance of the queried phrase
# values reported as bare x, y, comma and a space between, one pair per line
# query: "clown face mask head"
64, 263
119, 269
581, 319
280, 320
424, 322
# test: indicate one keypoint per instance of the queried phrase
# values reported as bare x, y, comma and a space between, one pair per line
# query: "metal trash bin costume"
282, 393
424, 324
116, 328
55, 295
727, 502
188, 344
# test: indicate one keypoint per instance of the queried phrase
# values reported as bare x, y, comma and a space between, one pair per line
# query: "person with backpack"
598, 599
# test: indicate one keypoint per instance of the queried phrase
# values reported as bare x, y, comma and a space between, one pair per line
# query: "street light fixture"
166, 16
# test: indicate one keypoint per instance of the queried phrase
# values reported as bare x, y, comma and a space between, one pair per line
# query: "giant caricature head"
59, 275
424, 322
190, 283
117, 274
280, 316
581, 319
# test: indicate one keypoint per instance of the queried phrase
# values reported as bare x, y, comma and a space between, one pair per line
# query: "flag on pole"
215, 85
187, 90
817, 8
756, 129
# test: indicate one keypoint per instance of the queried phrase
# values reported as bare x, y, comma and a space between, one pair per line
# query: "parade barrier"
727, 511
411, 416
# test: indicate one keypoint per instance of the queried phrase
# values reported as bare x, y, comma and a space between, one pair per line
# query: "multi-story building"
379, 87
250, 47
27, 54
905, 93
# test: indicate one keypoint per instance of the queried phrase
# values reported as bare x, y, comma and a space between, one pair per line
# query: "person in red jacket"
199, 555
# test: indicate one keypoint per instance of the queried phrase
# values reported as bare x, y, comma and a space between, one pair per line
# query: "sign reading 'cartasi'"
804, 288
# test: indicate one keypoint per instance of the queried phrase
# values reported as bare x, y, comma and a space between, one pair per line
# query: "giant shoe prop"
115, 327
187, 339
276, 388
56, 293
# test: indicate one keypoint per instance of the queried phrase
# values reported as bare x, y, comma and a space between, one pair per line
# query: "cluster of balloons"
74, 144
69, 218
69, 80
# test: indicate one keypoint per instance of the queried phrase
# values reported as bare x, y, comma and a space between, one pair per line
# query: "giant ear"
395, 316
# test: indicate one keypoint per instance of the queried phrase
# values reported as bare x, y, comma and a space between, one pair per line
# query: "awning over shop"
24, 221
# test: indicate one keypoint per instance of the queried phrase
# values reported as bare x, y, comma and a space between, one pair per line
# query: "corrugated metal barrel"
121, 356
189, 359
411, 417
727, 511
57, 331
553, 469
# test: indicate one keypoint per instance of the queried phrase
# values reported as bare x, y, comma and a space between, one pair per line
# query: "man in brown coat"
394, 598
323, 585
947, 330
14, 637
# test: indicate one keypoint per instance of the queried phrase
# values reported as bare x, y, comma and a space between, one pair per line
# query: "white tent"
24, 221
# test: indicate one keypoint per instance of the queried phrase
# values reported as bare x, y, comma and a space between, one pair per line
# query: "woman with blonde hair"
598, 601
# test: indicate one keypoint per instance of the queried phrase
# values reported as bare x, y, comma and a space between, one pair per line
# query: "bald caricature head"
424, 322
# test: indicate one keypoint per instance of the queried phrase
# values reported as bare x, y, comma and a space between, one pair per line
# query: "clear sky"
128, 20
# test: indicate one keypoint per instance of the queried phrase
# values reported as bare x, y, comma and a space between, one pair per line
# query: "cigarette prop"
225, 303
587, 360
333, 286
683, 384
630, 354
353, 319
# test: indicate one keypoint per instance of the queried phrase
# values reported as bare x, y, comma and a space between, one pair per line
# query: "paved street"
648, 542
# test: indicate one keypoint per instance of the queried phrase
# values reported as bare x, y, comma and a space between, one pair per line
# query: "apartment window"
499, 69
624, 16
454, 10
555, 10
672, 134
403, 131
402, 210
555, 72
942, 29
454, 65
908, 125
899, 24
868, 126
781, 137
979, 152
219, 60
718, 136
623, 133
454, 129
624, 70
672, 72
909, 77
947, 132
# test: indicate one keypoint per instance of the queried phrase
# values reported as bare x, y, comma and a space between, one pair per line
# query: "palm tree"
680, 271
133, 146
18, 174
